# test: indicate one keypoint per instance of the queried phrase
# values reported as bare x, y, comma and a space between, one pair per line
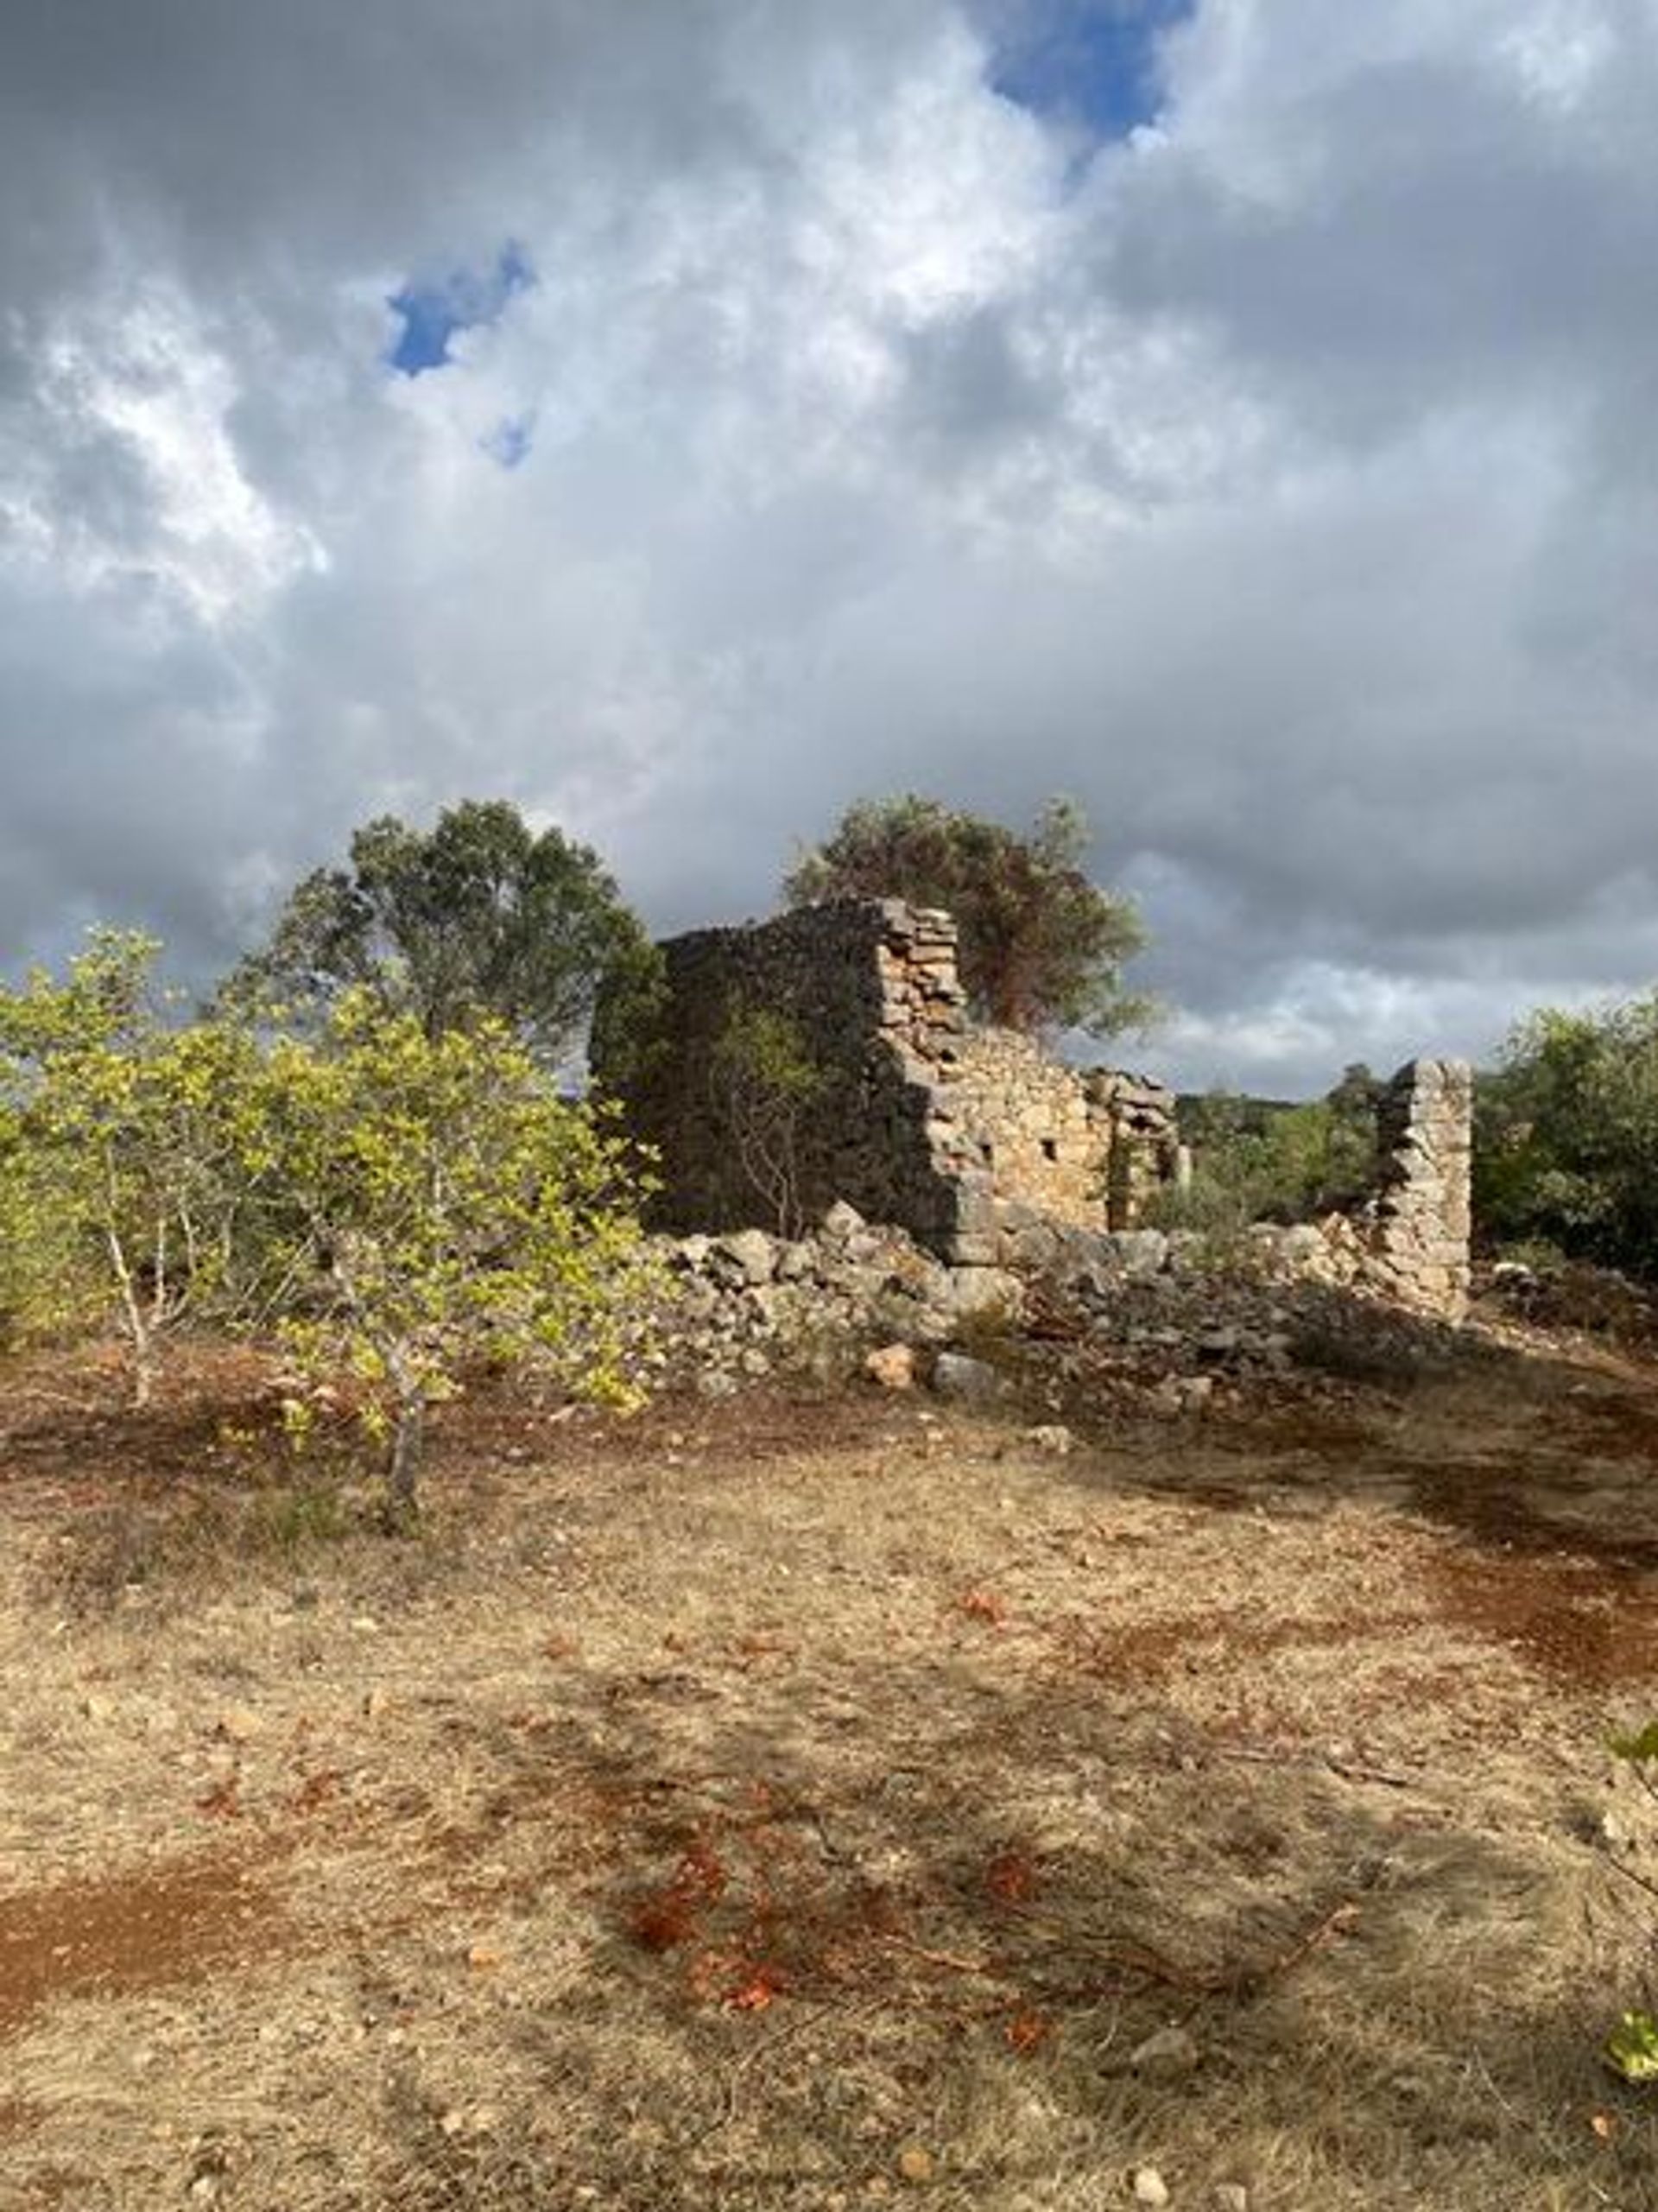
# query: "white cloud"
1280, 487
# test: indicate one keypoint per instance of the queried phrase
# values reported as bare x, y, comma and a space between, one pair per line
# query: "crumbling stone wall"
1030, 1123
1146, 1154
872, 992
1415, 1229
921, 1118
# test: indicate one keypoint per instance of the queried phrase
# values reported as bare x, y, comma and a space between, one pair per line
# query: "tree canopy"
387, 1203
1567, 1136
121, 1187
479, 918
1042, 945
440, 1204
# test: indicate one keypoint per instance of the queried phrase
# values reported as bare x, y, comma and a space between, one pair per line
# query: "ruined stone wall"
955, 1133
870, 991
1415, 1229
1032, 1126
1144, 1155
974, 1140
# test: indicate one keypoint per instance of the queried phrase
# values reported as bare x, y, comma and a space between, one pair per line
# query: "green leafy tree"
1567, 1136
1350, 1161
479, 918
444, 1205
122, 1184
1042, 945
1261, 1160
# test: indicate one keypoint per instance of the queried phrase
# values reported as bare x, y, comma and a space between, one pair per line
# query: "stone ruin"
969, 1139
1415, 1228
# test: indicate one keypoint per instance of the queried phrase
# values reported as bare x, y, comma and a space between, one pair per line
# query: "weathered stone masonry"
1415, 1229
965, 1137
974, 1140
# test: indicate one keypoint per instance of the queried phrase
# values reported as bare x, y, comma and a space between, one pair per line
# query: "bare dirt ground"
818, 1802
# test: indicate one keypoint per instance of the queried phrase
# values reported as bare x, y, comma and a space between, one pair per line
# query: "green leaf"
1640, 1746
1632, 2047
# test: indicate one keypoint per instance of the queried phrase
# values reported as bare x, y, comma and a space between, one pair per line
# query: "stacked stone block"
1144, 1155
1415, 1228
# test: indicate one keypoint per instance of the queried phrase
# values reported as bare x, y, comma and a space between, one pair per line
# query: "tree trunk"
138, 1331
409, 1440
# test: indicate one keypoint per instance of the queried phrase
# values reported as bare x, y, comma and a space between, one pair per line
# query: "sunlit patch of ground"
815, 1801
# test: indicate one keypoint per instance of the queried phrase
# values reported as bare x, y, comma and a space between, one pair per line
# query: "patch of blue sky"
433, 312
1090, 66
510, 440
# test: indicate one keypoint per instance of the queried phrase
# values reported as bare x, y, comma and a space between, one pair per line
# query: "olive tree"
1041, 944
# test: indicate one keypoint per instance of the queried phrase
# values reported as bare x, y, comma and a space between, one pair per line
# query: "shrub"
124, 1190
762, 1083
442, 1204
1567, 1136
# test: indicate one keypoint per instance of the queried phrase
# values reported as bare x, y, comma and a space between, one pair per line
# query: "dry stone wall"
1415, 1229
963, 1137
973, 1141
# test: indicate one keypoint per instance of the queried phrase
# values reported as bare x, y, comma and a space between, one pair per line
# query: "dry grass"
814, 1802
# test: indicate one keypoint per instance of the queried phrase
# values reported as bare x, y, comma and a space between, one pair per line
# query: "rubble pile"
1169, 1318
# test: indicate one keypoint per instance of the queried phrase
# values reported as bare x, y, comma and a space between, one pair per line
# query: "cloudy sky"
683, 416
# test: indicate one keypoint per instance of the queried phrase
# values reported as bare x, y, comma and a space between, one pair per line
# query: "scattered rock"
893, 1366
1171, 2050
1051, 1436
915, 2164
956, 1375
973, 1293
751, 1253
1148, 2186
1142, 1251
1177, 1394
239, 1724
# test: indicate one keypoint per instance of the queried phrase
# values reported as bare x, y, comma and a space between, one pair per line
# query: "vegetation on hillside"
1256, 1160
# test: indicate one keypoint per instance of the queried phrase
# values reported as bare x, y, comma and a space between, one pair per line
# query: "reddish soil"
180, 1922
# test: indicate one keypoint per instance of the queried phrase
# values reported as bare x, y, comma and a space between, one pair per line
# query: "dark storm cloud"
1279, 482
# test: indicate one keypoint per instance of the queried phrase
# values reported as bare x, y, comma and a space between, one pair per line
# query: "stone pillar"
1417, 1224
